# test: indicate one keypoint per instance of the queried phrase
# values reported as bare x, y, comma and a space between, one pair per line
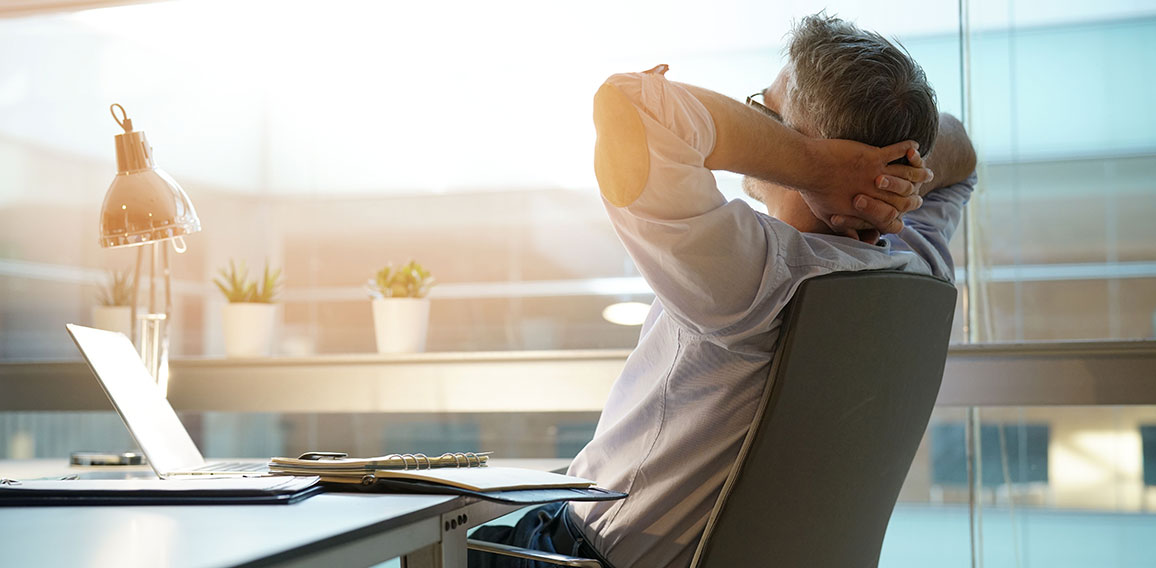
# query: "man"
722, 273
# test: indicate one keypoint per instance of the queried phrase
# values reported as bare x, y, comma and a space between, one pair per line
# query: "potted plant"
114, 304
250, 316
401, 308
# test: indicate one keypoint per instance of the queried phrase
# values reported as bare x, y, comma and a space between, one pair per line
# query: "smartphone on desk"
110, 465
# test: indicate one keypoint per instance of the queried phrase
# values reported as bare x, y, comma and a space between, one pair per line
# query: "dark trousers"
544, 528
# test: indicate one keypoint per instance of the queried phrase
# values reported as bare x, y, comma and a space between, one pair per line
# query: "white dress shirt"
722, 273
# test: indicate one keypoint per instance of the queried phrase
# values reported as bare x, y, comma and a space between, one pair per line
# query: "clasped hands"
857, 191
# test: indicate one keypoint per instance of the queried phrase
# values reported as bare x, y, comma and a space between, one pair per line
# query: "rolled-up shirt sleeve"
703, 256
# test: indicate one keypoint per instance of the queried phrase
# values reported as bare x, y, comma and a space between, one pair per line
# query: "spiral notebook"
338, 461
466, 470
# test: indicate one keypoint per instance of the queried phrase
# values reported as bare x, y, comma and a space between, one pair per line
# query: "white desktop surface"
202, 536
328, 529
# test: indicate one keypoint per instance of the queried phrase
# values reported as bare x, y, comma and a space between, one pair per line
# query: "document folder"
199, 491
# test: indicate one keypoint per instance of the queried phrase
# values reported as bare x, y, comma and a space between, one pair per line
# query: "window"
333, 141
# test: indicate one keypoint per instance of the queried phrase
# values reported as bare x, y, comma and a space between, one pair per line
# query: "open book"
464, 471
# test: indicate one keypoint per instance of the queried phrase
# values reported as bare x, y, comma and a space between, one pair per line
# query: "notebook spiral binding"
413, 461
422, 461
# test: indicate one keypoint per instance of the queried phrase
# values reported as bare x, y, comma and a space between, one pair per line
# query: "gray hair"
854, 84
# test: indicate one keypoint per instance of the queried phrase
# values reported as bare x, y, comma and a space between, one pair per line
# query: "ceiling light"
626, 313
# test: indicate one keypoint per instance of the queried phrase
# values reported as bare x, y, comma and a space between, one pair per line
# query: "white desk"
334, 529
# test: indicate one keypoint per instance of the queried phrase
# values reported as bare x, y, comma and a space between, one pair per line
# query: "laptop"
148, 415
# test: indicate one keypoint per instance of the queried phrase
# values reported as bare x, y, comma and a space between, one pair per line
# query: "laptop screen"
133, 391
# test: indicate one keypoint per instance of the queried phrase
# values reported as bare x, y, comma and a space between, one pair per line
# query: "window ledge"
1022, 374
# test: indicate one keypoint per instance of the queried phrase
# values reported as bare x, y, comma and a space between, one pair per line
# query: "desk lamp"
145, 208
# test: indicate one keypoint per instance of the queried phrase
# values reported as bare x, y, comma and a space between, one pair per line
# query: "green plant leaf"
118, 290
408, 281
236, 286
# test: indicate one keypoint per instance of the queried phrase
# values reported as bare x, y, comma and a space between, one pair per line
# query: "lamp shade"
143, 204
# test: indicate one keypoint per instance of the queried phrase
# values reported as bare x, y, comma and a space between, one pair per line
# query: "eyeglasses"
762, 107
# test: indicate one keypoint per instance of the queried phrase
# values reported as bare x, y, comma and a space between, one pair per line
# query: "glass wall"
1063, 244
1060, 249
333, 141
1059, 487
1063, 486
222, 435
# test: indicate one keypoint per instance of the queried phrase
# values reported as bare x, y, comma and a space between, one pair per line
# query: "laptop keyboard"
238, 467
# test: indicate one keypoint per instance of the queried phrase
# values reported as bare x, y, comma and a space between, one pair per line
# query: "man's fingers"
914, 158
849, 226
864, 230
893, 227
898, 150
900, 203
911, 174
883, 215
894, 185
875, 215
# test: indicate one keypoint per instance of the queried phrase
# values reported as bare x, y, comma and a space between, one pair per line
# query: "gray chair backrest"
851, 388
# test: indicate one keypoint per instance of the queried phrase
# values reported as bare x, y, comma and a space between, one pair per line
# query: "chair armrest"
551, 557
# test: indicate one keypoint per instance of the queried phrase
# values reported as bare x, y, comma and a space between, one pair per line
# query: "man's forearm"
828, 173
953, 158
745, 138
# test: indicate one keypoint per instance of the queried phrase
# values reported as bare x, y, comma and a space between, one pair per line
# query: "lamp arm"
135, 295
163, 355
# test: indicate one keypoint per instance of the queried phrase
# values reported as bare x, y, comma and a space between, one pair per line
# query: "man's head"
844, 82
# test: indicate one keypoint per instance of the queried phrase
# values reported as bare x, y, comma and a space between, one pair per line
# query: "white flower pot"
401, 324
249, 329
113, 318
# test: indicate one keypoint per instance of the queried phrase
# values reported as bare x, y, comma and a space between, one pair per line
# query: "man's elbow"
953, 158
621, 155
964, 150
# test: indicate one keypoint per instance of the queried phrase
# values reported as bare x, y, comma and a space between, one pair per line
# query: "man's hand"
853, 188
896, 200
954, 159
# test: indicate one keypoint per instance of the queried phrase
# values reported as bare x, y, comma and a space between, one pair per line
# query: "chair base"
529, 554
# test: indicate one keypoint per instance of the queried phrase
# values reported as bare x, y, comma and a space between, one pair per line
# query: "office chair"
854, 379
